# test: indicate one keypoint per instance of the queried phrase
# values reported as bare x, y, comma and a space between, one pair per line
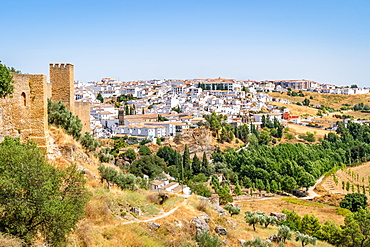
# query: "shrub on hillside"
88, 141
60, 116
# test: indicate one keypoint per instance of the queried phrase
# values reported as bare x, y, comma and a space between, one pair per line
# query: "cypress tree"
188, 171
197, 165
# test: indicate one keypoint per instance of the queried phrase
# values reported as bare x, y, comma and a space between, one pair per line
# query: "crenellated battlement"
61, 65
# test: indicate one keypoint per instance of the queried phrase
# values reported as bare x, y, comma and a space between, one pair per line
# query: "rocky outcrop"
154, 225
221, 230
279, 216
136, 210
205, 217
200, 225
220, 210
242, 241
275, 238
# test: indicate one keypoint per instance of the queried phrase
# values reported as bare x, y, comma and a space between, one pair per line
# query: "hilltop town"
282, 154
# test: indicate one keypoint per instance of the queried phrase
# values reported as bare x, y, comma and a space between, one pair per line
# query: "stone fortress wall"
24, 113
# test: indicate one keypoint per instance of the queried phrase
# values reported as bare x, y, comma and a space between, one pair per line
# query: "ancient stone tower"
62, 81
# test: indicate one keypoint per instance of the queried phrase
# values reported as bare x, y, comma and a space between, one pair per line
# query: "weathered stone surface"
279, 216
221, 230
235, 205
274, 238
200, 225
242, 241
136, 210
154, 225
220, 210
205, 217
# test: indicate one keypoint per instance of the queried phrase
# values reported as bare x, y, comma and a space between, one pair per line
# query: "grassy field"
335, 101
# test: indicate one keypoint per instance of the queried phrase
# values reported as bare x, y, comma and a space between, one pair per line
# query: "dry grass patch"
277, 205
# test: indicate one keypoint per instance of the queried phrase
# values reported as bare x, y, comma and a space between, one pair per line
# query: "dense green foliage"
112, 176
144, 150
284, 233
354, 202
304, 239
36, 198
356, 229
104, 155
232, 210
6, 81
289, 166
88, 141
60, 116
100, 98
130, 155
150, 165
205, 239
257, 242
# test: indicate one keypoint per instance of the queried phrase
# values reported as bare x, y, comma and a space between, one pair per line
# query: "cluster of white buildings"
161, 108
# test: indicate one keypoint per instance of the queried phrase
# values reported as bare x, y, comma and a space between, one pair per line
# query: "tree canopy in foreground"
36, 198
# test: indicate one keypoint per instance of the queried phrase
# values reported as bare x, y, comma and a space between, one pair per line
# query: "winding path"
151, 219
312, 194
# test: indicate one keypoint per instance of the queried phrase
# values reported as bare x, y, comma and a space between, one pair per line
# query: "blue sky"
323, 40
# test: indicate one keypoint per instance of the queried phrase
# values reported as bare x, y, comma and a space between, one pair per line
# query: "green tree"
104, 155
238, 189
310, 225
232, 210
36, 198
354, 202
150, 165
89, 142
356, 229
197, 165
260, 185
288, 184
306, 102
257, 242
100, 98
6, 81
200, 189
144, 150
293, 220
60, 116
159, 141
264, 138
284, 233
188, 171
305, 239
130, 154
108, 174
205, 165
225, 196
205, 239
253, 218
267, 220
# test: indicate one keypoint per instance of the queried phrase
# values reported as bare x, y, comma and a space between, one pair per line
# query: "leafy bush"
354, 202
60, 116
36, 198
205, 239
232, 210
6, 81
88, 141
104, 155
